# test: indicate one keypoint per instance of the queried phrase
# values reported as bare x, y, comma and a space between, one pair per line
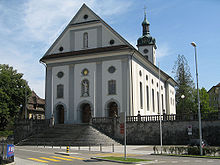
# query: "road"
32, 155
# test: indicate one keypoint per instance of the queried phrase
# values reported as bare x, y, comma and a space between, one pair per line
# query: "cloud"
163, 50
28, 29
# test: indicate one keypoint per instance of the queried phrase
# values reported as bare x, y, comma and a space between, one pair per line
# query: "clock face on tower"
145, 51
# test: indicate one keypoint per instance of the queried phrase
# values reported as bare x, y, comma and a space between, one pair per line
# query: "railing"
33, 121
102, 119
155, 118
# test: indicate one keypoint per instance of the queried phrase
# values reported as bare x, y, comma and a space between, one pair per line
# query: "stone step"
62, 134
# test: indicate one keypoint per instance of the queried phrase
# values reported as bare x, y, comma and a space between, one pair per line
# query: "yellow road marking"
73, 157
38, 160
61, 158
50, 159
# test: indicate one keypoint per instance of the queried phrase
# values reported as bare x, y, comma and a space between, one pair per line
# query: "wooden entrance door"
86, 113
112, 109
60, 112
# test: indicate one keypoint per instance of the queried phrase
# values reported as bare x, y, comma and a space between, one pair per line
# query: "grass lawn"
197, 156
122, 159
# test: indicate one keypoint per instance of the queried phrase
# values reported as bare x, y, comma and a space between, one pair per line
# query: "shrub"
165, 149
155, 150
193, 150
171, 150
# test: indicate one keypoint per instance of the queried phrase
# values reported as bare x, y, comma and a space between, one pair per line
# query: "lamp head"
182, 96
193, 44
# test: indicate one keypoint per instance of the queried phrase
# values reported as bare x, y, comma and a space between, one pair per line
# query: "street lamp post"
199, 114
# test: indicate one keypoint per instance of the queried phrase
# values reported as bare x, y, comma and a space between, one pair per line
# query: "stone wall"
25, 128
174, 132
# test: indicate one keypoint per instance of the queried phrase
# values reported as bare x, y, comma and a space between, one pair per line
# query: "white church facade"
91, 71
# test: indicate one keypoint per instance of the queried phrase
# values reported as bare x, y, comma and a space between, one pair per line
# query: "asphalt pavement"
33, 155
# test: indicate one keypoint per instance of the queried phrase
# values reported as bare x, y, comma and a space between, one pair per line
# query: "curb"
11, 163
186, 156
116, 161
61, 153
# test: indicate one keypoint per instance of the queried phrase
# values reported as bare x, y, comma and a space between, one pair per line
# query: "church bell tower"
146, 43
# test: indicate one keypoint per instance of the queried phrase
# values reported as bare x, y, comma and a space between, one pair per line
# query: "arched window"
141, 96
85, 88
147, 91
153, 100
112, 87
85, 40
60, 91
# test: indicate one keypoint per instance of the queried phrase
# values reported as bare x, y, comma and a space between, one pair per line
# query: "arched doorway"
60, 114
112, 109
85, 112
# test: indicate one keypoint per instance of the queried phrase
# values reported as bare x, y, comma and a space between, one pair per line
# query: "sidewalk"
131, 149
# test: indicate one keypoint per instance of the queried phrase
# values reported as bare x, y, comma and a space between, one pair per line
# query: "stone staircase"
74, 135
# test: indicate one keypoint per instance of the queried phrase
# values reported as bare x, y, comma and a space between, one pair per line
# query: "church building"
92, 71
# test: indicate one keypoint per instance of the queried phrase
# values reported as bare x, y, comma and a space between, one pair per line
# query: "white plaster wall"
65, 81
78, 77
64, 42
106, 76
136, 90
107, 35
172, 99
150, 54
92, 39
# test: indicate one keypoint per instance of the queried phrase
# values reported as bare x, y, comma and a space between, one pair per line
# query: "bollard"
89, 148
52, 145
60, 146
44, 144
78, 147
113, 150
100, 147
67, 149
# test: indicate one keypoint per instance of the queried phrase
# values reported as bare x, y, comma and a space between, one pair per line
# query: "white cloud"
28, 29
163, 50
44, 19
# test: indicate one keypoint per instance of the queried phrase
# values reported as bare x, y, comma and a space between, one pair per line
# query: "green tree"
12, 95
185, 102
204, 101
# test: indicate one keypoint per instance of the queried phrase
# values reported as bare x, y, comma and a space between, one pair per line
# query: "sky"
29, 27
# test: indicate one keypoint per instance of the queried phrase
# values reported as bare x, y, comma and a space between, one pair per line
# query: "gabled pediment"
99, 34
84, 15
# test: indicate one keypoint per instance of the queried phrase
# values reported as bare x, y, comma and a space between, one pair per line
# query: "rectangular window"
60, 91
158, 103
147, 93
112, 87
153, 100
141, 95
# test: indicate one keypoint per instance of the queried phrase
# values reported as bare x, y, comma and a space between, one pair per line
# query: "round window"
85, 16
60, 74
85, 72
146, 51
111, 69
61, 49
112, 42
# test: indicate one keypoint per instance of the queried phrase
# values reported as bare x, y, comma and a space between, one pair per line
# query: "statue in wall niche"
85, 88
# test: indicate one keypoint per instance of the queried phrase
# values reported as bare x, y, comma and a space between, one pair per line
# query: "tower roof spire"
146, 38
